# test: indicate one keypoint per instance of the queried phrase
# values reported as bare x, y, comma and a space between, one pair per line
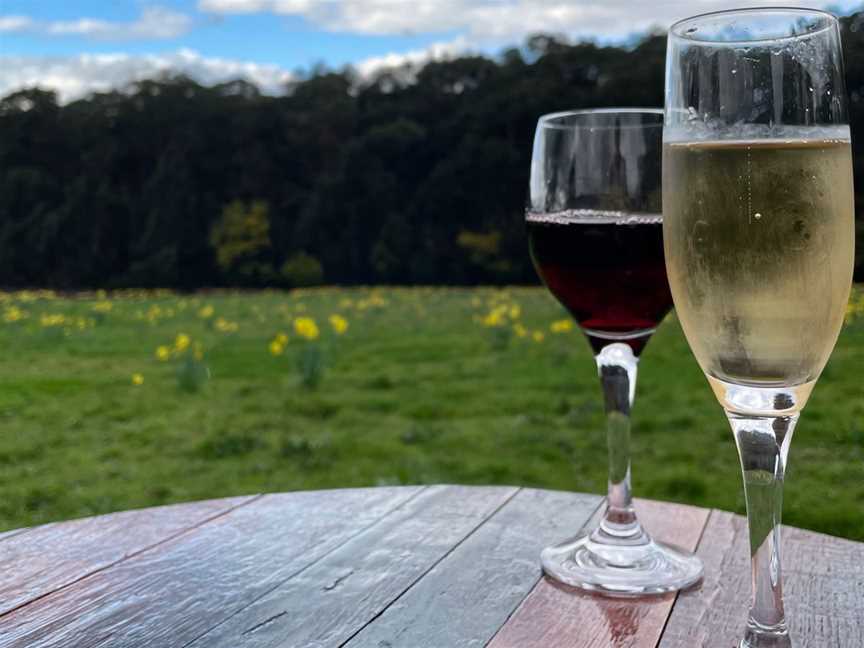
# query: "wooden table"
413, 567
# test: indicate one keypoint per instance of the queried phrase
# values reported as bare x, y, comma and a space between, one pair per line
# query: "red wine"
607, 269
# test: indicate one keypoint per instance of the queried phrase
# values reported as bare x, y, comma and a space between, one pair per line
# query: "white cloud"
492, 21
15, 23
485, 24
153, 23
416, 58
74, 77
255, 6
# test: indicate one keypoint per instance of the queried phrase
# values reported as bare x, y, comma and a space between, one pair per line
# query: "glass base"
649, 567
758, 636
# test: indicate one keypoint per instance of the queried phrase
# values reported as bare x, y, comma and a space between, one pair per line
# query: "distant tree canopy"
404, 178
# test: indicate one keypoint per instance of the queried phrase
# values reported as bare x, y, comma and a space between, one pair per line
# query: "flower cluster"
306, 328
225, 326
183, 345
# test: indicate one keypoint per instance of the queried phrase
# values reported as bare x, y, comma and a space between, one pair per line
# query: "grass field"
425, 385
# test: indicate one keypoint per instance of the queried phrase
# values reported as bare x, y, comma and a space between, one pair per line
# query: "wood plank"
47, 558
11, 533
466, 598
556, 615
332, 600
167, 597
823, 579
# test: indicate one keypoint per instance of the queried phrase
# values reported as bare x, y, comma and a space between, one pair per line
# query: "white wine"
759, 241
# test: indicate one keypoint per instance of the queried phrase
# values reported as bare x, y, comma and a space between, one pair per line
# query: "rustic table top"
413, 567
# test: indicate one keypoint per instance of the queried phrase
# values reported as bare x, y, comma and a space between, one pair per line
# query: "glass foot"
649, 567
758, 636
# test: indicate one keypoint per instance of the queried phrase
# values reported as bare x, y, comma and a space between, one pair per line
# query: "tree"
241, 241
406, 177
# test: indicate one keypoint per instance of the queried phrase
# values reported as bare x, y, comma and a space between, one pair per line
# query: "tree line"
411, 177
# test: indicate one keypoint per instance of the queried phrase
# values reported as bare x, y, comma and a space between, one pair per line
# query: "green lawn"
417, 390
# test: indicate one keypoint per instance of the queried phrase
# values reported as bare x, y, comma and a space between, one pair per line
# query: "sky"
79, 46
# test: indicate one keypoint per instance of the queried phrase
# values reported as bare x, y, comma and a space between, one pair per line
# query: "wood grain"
170, 595
555, 615
46, 558
415, 567
12, 532
823, 580
333, 599
466, 598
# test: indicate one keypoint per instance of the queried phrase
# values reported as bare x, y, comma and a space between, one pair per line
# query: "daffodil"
561, 326
137, 379
520, 330
306, 328
52, 320
276, 348
538, 336
103, 306
494, 318
206, 312
339, 324
14, 314
182, 342
163, 352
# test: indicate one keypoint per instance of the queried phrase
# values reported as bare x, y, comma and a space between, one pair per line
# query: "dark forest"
410, 177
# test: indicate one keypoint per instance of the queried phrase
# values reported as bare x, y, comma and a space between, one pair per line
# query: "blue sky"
77, 46
290, 41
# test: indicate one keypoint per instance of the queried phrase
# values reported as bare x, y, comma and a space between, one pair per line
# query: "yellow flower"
137, 379
515, 311
225, 326
538, 336
103, 306
14, 314
181, 343
520, 330
276, 347
282, 339
205, 312
306, 327
561, 326
163, 352
339, 324
52, 320
494, 318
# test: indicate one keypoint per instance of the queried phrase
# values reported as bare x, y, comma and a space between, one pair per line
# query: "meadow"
132, 399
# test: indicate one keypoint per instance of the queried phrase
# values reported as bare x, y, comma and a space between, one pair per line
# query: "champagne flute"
595, 231
759, 237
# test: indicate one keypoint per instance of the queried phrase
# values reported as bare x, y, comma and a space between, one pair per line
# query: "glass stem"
763, 444
616, 365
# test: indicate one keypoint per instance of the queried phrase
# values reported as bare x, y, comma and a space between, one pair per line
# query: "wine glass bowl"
595, 230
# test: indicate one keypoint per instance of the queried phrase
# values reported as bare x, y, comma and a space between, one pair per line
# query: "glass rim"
549, 120
676, 28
